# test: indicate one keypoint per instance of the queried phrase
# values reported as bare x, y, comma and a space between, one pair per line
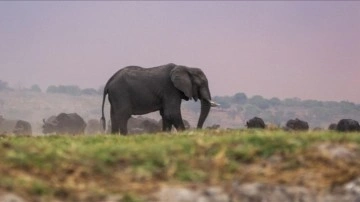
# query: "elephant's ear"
181, 80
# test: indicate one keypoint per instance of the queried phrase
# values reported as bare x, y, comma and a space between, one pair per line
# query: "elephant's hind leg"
123, 125
115, 129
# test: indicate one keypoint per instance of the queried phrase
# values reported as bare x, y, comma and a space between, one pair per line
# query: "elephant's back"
141, 71
131, 74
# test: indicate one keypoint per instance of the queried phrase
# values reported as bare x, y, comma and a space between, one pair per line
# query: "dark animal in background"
297, 124
332, 126
135, 90
17, 127
348, 125
93, 126
213, 127
255, 122
150, 126
64, 123
143, 125
317, 129
22, 128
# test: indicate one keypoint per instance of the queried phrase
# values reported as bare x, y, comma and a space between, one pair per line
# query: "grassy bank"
75, 168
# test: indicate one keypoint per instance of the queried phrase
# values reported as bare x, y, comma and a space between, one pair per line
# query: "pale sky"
284, 49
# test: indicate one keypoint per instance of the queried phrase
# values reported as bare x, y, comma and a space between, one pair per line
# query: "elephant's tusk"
213, 104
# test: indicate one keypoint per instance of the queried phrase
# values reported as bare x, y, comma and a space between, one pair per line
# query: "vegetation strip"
92, 167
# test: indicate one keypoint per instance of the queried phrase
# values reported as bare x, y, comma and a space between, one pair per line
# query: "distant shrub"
35, 88
70, 90
259, 101
239, 98
225, 102
89, 91
4, 86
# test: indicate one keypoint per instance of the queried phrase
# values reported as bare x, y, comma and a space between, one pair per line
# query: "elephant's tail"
102, 120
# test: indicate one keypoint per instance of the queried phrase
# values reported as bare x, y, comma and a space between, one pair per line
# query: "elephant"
64, 123
348, 125
297, 124
135, 90
17, 127
255, 122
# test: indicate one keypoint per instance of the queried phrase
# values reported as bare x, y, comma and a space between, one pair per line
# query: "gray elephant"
17, 127
64, 123
135, 90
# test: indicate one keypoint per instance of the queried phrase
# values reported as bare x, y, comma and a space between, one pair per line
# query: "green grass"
88, 168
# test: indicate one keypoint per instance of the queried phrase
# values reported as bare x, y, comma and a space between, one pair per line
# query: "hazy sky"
304, 49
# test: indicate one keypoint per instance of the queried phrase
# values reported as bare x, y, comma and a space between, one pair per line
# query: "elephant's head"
50, 125
194, 85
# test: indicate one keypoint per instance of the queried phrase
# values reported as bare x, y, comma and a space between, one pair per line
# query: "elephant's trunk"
206, 104
205, 109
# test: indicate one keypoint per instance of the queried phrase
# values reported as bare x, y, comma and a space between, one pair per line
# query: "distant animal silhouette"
297, 124
213, 127
142, 124
17, 127
255, 122
348, 125
64, 123
332, 126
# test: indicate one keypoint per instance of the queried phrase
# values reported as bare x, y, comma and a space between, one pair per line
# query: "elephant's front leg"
173, 117
166, 123
178, 123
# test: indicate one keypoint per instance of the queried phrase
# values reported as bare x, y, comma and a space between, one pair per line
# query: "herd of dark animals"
344, 125
131, 89
74, 124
